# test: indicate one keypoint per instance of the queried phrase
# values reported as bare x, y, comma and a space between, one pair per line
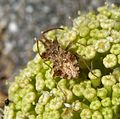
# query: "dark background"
23, 20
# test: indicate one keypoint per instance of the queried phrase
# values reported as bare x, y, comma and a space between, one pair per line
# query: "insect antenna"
40, 54
55, 28
65, 98
43, 34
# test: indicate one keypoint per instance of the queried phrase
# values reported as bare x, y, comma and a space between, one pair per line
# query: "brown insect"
65, 63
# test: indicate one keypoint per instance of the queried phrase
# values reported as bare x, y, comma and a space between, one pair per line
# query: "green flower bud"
99, 34
115, 14
116, 90
81, 41
39, 116
115, 36
29, 97
101, 17
44, 98
59, 92
104, 10
116, 101
116, 112
19, 115
115, 49
77, 90
93, 24
14, 97
50, 83
18, 105
84, 31
89, 53
77, 105
81, 50
95, 105
116, 73
117, 26
91, 41
56, 103
108, 80
26, 107
40, 83
39, 108
13, 88
97, 115
86, 114
107, 113
106, 102
63, 83
107, 24
51, 115
89, 94
102, 46
102, 93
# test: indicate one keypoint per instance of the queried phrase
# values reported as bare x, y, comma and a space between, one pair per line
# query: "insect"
7, 101
65, 63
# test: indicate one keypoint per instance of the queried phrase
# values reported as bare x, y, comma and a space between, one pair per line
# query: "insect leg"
62, 92
87, 66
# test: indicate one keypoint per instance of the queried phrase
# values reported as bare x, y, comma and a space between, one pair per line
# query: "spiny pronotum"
65, 63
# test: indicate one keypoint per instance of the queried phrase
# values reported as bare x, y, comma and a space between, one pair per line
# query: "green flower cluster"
95, 94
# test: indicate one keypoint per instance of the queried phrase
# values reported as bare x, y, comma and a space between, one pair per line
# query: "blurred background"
23, 20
